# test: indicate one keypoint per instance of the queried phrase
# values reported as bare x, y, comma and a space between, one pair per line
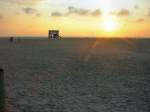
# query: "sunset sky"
92, 18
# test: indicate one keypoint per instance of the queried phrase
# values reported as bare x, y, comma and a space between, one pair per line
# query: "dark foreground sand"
77, 75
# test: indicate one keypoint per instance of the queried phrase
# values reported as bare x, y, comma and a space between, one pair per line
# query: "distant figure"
11, 39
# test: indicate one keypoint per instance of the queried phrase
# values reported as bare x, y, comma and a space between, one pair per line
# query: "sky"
75, 18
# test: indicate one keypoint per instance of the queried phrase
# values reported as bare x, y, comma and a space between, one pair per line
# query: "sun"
109, 25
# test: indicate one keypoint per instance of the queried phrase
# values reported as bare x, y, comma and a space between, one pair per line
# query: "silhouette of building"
53, 34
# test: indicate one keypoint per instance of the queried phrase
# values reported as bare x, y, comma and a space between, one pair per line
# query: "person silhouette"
11, 39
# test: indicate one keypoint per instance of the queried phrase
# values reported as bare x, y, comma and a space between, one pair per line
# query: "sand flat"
77, 75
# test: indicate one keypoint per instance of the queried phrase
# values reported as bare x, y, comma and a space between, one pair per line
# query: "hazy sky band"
74, 17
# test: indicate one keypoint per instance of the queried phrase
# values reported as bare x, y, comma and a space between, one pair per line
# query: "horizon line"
105, 37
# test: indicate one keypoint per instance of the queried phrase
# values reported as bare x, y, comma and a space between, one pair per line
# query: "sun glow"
109, 25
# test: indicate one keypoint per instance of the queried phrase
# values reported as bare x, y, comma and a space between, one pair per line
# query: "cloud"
97, 12
77, 11
140, 20
29, 10
149, 12
38, 15
56, 14
20, 2
122, 12
136, 7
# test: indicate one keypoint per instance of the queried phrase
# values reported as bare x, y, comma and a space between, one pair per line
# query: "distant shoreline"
44, 37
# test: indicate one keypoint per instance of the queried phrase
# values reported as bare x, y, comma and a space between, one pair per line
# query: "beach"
77, 75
